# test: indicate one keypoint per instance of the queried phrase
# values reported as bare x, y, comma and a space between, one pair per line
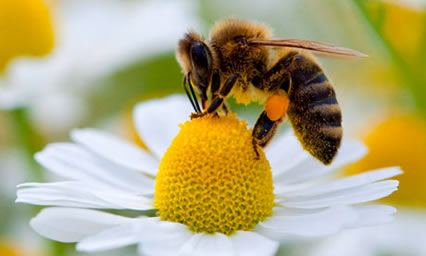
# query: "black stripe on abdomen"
316, 115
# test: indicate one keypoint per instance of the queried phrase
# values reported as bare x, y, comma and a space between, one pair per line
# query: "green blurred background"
77, 63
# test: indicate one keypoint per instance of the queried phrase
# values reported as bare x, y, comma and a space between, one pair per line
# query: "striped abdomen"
313, 111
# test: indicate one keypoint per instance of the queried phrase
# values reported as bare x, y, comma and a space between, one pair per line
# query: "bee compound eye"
199, 55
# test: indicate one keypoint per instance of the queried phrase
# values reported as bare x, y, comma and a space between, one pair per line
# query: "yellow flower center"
210, 179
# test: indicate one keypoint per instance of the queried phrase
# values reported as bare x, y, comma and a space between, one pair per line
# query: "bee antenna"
194, 96
190, 96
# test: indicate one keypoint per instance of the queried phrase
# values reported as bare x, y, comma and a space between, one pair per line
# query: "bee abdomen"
314, 111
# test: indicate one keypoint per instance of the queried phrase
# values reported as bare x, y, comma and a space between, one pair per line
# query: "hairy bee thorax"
230, 40
230, 29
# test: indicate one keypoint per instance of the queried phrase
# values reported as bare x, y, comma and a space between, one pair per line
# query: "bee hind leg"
263, 131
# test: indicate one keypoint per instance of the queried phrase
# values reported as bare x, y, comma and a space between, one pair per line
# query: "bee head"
195, 57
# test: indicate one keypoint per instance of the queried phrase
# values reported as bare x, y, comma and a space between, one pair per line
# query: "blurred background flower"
26, 30
93, 39
72, 63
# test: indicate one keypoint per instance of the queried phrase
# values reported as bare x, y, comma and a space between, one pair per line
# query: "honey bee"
241, 59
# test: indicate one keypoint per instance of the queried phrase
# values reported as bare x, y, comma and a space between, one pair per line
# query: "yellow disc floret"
211, 180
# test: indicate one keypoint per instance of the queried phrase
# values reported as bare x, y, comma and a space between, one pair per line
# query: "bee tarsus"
255, 145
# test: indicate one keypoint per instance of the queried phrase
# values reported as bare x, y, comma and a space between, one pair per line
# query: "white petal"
157, 121
112, 238
77, 194
116, 150
284, 153
72, 224
355, 195
252, 244
346, 183
370, 215
67, 194
125, 200
349, 152
76, 163
315, 224
206, 245
162, 237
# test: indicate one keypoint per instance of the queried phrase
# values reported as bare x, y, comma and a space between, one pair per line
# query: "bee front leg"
204, 99
220, 97
223, 93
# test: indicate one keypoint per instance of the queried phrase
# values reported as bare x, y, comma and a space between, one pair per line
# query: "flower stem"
28, 140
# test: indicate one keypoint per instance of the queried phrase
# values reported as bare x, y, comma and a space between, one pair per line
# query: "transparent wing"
315, 46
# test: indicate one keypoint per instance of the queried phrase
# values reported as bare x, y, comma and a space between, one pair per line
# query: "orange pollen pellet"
276, 106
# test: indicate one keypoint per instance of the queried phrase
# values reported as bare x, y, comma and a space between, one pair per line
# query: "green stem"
28, 141
408, 76
59, 249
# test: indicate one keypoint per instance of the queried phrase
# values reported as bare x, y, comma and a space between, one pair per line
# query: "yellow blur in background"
26, 29
398, 140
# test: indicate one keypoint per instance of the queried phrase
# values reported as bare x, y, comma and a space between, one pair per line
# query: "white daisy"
212, 196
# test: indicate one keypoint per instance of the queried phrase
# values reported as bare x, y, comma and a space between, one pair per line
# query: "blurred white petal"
116, 150
252, 244
72, 225
74, 162
208, 245
372, 215
355, 195
311, 168
77, 194
347, 182
320, 223
284, 153
157, 121
162, 237
116, 237
403, 236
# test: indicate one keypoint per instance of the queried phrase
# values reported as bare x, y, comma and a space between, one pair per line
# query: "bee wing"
315, 46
